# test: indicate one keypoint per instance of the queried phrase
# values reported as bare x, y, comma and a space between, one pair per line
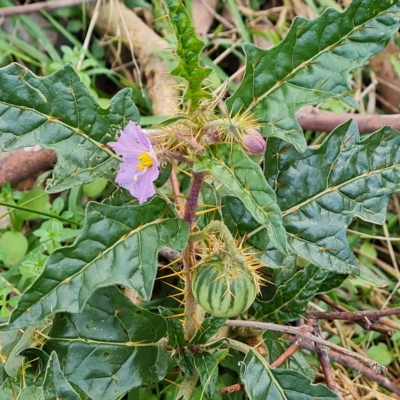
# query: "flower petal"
132, 142
132, 174
140, 136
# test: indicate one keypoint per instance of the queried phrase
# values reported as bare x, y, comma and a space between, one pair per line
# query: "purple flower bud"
253, 142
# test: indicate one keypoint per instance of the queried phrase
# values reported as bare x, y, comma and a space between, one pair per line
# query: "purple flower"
140, 166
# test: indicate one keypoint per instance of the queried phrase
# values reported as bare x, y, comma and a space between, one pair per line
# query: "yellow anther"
145, 161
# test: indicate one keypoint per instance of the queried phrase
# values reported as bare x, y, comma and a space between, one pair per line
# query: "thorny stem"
193, 197
189, 216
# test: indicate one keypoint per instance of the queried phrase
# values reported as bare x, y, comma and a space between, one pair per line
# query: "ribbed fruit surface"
221, 291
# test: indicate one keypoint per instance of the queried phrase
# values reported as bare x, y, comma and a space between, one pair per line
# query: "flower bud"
253, 142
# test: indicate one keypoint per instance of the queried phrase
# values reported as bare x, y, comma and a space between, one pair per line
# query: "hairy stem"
189, 216
193, 197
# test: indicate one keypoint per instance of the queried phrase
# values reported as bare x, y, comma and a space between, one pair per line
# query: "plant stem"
44, 213
193, 197
189, 216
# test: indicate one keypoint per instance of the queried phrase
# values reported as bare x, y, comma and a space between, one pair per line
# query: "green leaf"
37, 200
176, 334
58, 113
242, 177
8, 390
111, 346
30, 387
11, 343
188, 51
311, 64
184, 359
380, 353
295, 362
208, 328
13, 354
322, 190
55, 384
118, 245
240, 221
209, 200
95, 188
15, 245
207, 367
291, 299
332, 281
164, 176
262, 382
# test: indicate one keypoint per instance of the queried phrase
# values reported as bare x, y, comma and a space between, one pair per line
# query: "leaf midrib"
259, 208
280, 83
329, 189
78, 131
87, 265
130, 344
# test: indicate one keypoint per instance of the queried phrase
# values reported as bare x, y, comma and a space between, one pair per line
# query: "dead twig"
306, 334
41, 6
21, 164
118, 21
349, 362
237, 387
286, 354
354, 316
326, 121
323, 357
363, 323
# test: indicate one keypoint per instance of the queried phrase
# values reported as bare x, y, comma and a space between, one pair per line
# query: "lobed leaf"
12, 343
292, 297
242, 177
8, 341
58, 113
118, 245
111, 346
311, 64
322, 190
55, 385
207, 367
188, 50
185, 361
332, 281
176, 334
262, 382
209, 328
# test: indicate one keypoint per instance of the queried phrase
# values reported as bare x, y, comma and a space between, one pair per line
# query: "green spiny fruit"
224, 289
